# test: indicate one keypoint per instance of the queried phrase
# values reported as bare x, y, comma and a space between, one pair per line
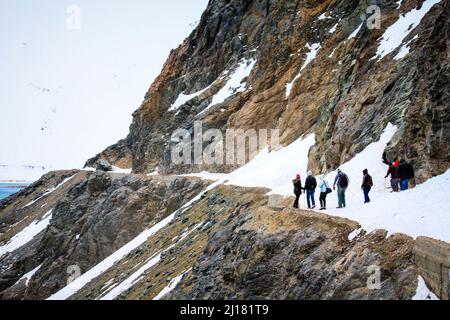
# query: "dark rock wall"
93, 219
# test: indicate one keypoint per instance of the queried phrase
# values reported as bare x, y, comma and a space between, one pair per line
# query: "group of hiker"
401, 173
341, 182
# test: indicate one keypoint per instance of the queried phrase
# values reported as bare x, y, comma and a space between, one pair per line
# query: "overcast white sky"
96, 75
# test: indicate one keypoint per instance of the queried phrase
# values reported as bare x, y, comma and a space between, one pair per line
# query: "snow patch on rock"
423, 293
235, 83
310, 56
396, 33
27, 234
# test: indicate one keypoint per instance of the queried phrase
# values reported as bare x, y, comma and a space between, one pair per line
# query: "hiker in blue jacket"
324, 190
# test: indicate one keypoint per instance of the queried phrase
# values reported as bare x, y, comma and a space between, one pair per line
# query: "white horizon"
66, 95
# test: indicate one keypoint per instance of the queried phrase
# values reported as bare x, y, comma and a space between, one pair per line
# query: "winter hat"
365, 171
297, 176
309, 173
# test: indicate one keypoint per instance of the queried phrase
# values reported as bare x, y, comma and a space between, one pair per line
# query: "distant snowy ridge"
22, 173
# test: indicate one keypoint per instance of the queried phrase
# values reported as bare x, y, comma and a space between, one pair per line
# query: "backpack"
343, 181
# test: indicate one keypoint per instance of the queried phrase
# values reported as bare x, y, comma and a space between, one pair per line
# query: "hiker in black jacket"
297, 182
366, 185
405, 173
393, 172
310, 187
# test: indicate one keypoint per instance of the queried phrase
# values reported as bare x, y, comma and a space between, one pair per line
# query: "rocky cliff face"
318, 68
92, 216
286, 255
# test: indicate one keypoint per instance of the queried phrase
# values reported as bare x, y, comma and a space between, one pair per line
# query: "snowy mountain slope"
27, 173
103, 266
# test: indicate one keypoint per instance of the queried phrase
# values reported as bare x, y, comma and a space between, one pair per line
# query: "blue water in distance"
9, 188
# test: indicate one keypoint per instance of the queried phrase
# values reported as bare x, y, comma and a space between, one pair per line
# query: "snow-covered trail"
422, 211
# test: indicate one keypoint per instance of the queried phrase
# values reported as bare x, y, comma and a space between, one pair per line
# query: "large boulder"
103, 165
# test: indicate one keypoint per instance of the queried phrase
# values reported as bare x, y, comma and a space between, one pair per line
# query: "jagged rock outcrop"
33, 202
346, 95
94, 215
291, 255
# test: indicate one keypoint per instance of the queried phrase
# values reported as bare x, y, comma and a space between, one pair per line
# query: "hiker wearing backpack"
342, 182
324, 191
310, 188
405, 173
297, 182
367, 184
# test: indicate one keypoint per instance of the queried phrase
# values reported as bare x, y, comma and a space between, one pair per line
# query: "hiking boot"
339, 207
